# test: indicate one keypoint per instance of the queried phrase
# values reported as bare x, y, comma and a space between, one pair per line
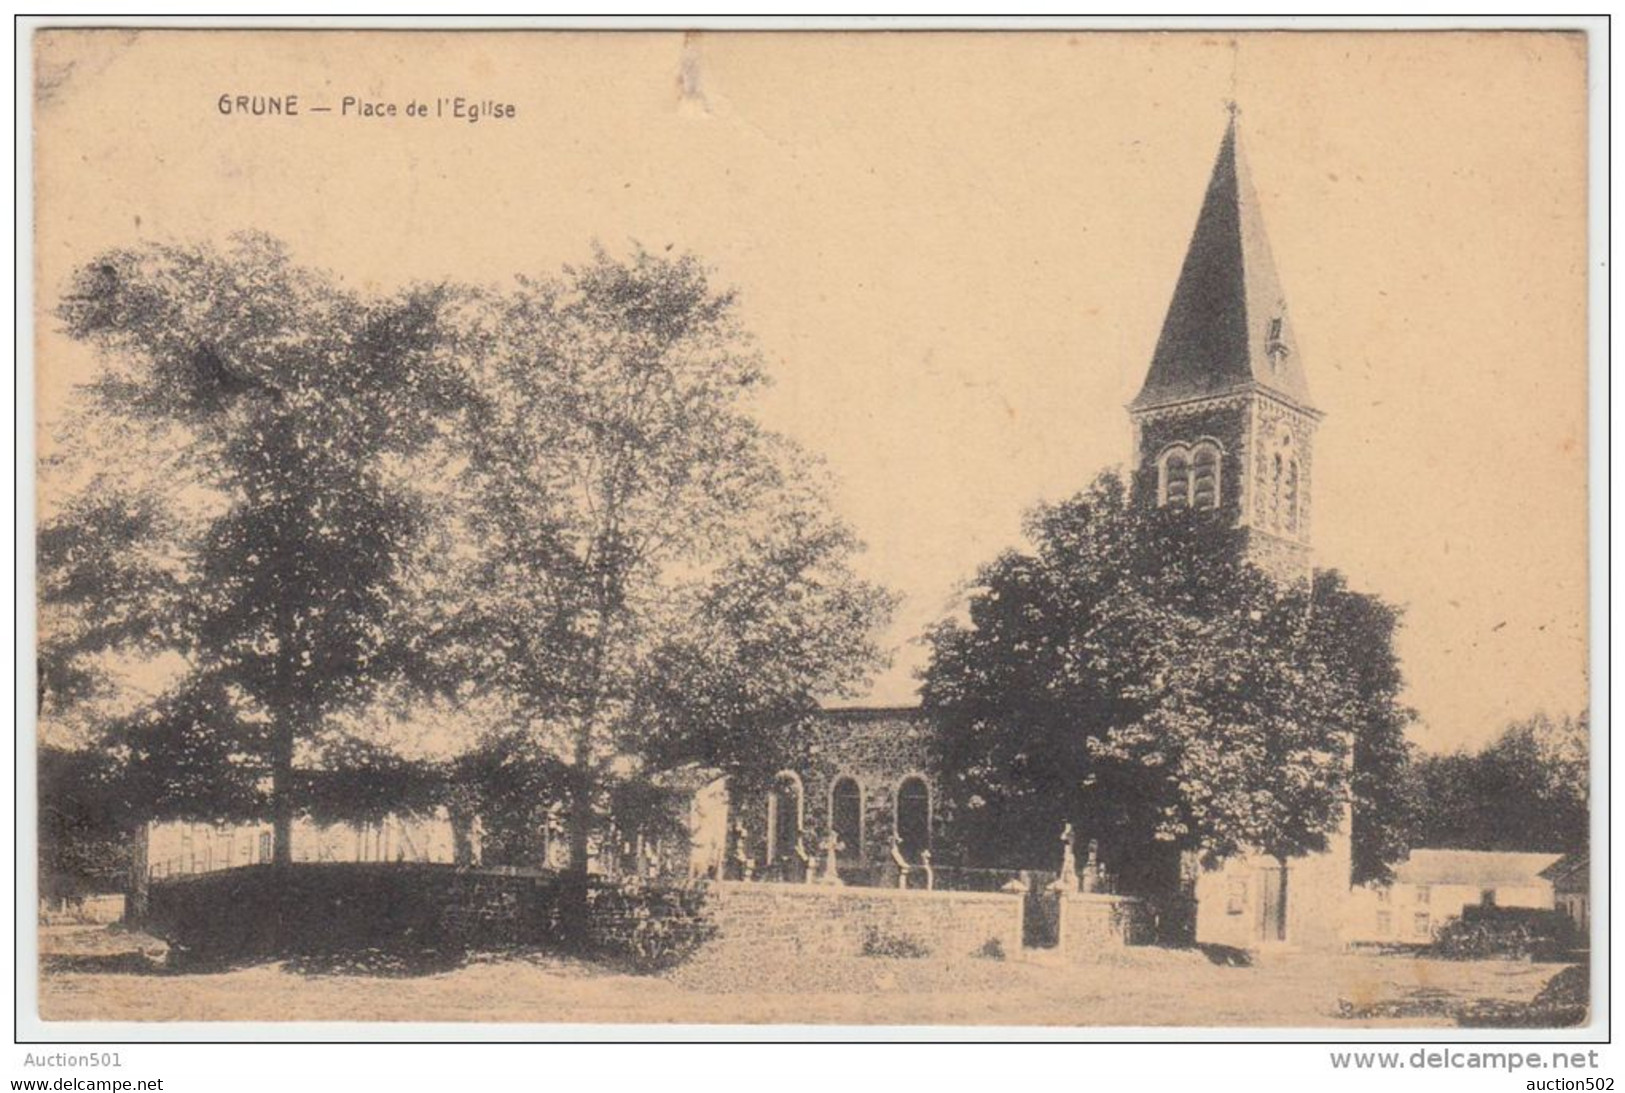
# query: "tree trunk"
282, 797
462, 837
1281, 904
581, 812
137, 889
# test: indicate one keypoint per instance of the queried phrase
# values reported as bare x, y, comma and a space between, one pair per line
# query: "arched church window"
913, 817
1275, 495
1291, 502
784, 812
1205, 477
1176, 478
846, 817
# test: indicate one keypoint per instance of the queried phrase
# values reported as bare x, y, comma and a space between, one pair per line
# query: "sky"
955, 251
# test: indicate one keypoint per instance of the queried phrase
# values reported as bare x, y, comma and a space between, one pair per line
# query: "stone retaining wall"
799, 919
1091, 922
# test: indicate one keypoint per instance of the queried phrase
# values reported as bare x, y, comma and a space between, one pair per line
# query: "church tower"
1224, 420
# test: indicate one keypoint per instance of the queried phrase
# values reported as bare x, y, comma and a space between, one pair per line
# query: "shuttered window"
1205, 477
1176, 480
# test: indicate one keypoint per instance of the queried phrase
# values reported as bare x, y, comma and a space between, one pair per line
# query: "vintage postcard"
985, 528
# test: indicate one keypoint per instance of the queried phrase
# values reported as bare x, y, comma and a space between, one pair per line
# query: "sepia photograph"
1082, 529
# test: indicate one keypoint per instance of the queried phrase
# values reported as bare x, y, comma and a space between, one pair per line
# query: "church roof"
1227, 327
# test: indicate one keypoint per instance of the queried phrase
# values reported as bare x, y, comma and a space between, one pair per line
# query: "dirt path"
1137, 987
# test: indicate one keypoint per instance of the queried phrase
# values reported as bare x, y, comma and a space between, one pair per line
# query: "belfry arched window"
1189, 477
1290, 500
1175, 475
1275, 494
1205, 477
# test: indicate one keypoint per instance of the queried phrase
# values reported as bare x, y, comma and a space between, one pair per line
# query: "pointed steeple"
1227, 328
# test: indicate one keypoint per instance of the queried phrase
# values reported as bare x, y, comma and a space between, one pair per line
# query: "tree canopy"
647, 574
246, 507
1133, 675
1528, 789
549, 505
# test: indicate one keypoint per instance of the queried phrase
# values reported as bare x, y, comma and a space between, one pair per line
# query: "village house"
1431, 887
1570, 877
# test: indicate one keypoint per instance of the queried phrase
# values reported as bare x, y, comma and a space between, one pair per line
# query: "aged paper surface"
955, 255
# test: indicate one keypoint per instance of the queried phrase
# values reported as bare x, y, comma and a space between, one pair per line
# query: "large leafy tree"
645, 573
1133, 675
1528, 789
82, 837
246, 463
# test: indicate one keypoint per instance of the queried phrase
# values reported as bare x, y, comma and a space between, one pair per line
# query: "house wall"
1230, 900
1405, 905
1576, 907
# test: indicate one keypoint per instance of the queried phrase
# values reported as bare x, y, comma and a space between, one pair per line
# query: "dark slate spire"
1227, 327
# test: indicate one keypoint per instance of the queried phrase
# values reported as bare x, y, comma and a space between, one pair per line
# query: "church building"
1224, 421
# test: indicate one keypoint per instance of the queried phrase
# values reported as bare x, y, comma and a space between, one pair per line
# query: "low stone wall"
1091, 922
825, 920
262, 912
648, 927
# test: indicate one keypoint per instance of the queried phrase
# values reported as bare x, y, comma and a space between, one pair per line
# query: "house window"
1385, 924
265, 846
1424, 894
1205, 477
913, 817
846, 817
1235, 902
1423, 924
1384, 894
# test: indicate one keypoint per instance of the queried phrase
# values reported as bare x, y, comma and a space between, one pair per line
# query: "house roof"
1572, 866
1477, 868
1227, 327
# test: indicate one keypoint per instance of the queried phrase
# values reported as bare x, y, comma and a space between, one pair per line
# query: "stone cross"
832, 847
1091, 868
802, 856
746, 866
1068, 880
899, 861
